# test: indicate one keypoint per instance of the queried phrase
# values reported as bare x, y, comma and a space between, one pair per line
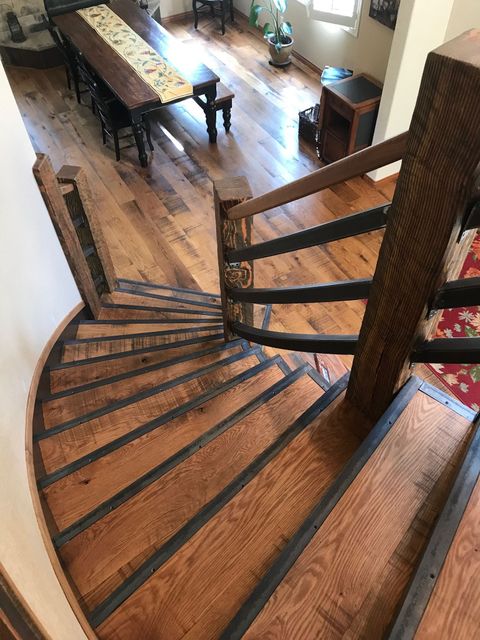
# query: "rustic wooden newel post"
422, 246
233, 234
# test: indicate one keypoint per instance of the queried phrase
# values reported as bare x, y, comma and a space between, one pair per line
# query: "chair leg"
227, 118
195, 14
148, 133
223, 4
69, 82
117, 145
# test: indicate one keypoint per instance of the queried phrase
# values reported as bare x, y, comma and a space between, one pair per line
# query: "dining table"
129, 87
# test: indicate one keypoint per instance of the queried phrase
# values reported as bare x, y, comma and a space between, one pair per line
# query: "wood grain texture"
159, 222
115, 71
62, 409
233, 235
97, 482
85, 350
354, 165
65, 447
453, 610
350, 578
196, 592
54, 201
109, 550
76, 178
61, 379
420, 246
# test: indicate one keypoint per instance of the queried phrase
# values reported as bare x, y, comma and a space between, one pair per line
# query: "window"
341, 12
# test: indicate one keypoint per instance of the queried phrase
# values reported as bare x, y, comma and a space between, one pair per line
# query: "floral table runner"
167, 83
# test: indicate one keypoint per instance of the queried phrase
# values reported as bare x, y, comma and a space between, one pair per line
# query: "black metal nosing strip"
149, 426
147, 393
141, 307
154, 285
124, 321
319, 379
157, 472
166, 551
265, 588
143, 334
157, 296
137, 352
421, 586
448, 401
133, 373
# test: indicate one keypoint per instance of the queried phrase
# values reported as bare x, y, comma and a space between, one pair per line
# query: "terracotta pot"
280, 57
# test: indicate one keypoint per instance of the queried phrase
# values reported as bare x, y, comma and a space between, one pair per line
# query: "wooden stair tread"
72, 352
453, 610
151, 517
96, 331
351, 576
59, 410
66, 447
148, 296
201, 587
61, 379
92, 485
126, 311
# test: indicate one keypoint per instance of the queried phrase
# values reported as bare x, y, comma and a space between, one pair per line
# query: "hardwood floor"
159, 221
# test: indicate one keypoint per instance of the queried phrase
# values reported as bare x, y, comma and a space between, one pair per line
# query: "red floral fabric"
463, 380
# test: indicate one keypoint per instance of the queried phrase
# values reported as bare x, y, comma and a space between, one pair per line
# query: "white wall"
326, 44
465, 15
421, 27
37, 292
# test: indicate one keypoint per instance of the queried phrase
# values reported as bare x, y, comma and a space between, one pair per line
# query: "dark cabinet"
348, 112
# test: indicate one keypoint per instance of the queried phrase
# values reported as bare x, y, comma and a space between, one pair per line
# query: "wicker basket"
308, 126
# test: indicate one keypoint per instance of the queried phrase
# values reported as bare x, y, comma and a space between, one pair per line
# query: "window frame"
349, 22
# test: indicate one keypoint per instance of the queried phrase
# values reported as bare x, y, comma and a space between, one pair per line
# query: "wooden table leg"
211, 113
137, 127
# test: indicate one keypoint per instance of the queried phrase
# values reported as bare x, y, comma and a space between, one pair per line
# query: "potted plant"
278, 33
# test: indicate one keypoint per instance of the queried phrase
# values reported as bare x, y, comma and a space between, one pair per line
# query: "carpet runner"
463, 322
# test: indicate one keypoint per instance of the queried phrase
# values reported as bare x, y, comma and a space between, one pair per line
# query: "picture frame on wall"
385, 11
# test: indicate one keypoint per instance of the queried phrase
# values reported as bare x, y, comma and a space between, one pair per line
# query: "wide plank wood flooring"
159, 221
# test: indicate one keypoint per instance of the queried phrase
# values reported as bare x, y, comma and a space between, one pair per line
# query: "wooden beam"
233, 234
54, 200
420, 248
76, 179
361, 162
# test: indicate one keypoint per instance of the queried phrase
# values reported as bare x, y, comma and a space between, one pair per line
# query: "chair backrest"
57, 7
62, 46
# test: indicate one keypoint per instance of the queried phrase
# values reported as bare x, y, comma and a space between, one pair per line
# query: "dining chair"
216, 7
58, 7
70, 63
114, 117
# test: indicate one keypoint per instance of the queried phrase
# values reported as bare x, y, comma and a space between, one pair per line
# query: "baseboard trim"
178, 17
378, 184
42, 524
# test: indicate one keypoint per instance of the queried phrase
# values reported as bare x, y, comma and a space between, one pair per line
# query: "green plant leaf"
267, 30
475, 373
281, 5
287, 28
255, 11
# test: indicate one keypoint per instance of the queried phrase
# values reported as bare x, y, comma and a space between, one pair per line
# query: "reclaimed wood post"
60, 216
82, 209
233, 234
422, 243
